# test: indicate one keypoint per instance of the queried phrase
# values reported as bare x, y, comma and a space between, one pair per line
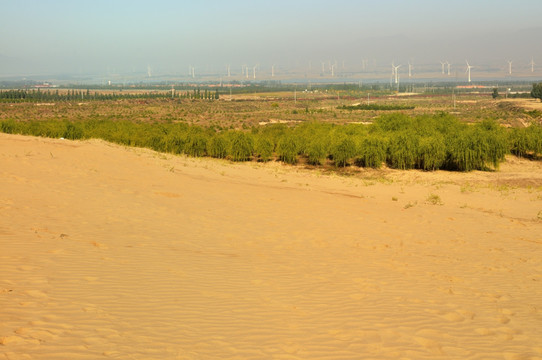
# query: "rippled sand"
129, 254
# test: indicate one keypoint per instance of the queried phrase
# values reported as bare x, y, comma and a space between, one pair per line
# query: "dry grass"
247, 110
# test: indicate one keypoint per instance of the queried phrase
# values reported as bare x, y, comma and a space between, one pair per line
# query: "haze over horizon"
67, 37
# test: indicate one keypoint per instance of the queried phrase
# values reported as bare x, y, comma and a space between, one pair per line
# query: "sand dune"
129, 254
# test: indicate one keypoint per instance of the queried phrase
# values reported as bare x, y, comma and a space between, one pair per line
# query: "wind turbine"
447, 63
229, 74
392, 72
273, 70
396, 71
254, 71
409, 69
468, 70
532, 64
442, 63
509, 67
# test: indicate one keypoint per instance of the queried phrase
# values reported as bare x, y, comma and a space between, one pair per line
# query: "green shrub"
342, 150
519, 142
372, 151
217, 146
431, 152
287, 149
73, 131
495, 141
196, 143
241, 146
274, 132
316, 151
392, 122
403, 150
535, 134
461, 154
10, 126
263, 147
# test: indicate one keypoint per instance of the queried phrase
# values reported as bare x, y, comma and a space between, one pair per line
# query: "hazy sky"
99, 36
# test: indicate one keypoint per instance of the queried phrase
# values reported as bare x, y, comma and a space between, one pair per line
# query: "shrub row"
427, 142
376, 107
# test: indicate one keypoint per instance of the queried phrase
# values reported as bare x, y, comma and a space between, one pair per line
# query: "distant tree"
495, 93
537, 91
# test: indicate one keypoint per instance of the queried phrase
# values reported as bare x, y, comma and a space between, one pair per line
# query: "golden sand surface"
113, 252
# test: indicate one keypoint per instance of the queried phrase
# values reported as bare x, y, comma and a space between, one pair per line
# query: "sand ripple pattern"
108, 253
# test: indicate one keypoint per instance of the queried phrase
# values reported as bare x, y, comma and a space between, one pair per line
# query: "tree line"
86, 95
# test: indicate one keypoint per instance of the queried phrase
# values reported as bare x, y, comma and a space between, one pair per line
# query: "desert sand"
113, 252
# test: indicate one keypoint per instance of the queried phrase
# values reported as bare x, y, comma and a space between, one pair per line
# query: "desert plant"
431, 152
287, 149
196, 142
73, 131
402, 150
372, 151
263, 147
217, 146
241, 146
343, 149
434, 199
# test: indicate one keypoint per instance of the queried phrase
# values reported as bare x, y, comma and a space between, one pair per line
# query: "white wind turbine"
396, 72
532, 64
409, 69
449, 65
273, 70
468, 70
442, 63
509, 67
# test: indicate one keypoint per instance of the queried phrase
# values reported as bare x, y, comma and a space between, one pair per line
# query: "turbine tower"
447, 63
409, 69
509, 67
229, 74
532, 64
442, 63
149, 73
468, 70
254, 71
273, 70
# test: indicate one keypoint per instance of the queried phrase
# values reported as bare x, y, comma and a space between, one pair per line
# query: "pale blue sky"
55, 36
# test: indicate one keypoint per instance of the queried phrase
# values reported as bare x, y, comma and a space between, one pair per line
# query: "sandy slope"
129, 254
